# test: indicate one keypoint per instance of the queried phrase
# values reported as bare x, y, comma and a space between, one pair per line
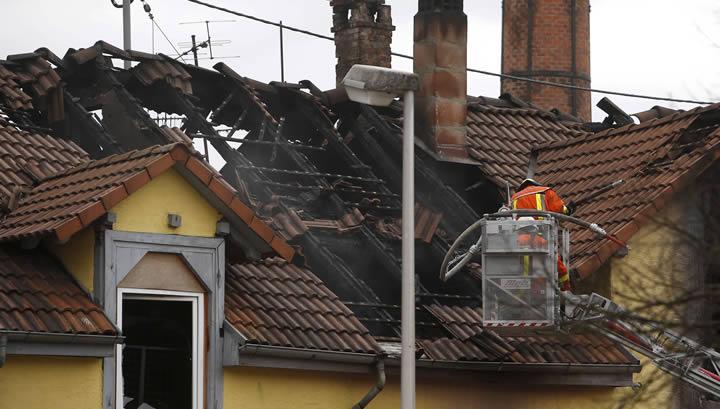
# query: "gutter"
304, 353
30, 336
361, 358
568, 368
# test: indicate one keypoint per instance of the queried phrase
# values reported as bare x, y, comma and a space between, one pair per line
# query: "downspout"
3, 349
377, 388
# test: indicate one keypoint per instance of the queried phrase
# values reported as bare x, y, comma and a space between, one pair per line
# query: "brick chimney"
440, 52
363, 33
548, 40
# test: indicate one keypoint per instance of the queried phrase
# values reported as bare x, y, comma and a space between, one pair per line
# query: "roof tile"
273, 302
36, 295
648, 156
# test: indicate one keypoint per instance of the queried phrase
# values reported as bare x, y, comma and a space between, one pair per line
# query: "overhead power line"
474, 70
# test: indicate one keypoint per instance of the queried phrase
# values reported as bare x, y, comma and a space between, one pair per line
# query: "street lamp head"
378, 86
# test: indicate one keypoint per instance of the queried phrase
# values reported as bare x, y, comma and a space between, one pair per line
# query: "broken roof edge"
625, 232
589, 136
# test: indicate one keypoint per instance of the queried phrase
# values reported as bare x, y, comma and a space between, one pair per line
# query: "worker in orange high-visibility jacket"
532, 195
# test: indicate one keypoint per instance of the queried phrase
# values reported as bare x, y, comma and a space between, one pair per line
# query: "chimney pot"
363, 34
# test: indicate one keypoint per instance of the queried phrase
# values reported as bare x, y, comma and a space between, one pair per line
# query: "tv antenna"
210, 42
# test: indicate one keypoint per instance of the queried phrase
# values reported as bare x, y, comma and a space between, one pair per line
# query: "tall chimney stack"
548, 40
440, 52
363, 33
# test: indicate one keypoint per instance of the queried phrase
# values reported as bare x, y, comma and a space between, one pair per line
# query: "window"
160, 365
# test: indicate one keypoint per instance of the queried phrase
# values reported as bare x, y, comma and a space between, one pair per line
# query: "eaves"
53, 344
600, 375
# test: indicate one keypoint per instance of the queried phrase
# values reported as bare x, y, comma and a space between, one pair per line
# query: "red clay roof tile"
36, 295
651, 160
472, 342
276, 303
65, 203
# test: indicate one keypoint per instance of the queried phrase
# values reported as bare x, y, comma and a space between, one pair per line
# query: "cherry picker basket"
519, 274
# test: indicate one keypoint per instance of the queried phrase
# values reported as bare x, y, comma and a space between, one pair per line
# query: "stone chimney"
440, 52
363, 33
548, 40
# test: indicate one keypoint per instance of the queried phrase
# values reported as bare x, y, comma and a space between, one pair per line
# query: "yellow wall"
146, 210
78, 256
658, 270
41, 382
262, 388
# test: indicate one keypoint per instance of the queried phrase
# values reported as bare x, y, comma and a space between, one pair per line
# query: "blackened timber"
429, 187
86, 131
374, 207
331, 189
448, 296
336, 273
149, 127
318, 118
398, 322
308, 173
196, 121
300, 161
256, 142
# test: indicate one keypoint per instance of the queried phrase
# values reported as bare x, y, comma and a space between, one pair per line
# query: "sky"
666, 48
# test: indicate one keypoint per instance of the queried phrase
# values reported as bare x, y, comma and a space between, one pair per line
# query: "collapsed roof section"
326, 174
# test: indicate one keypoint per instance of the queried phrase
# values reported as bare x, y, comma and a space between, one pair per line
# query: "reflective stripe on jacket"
539, 198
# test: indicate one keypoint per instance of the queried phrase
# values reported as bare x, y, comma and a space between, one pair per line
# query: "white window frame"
198, 322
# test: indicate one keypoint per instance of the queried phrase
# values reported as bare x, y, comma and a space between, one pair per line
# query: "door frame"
198, 341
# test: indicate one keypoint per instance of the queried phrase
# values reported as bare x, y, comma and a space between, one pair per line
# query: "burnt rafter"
87, 130
303, 166
429, 187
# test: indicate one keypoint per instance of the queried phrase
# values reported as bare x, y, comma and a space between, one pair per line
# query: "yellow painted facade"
147, 209
144, 211
264, 388
659, 267
78, 256
41, 382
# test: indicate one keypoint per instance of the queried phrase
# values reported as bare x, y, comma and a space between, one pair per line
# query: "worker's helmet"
528, 182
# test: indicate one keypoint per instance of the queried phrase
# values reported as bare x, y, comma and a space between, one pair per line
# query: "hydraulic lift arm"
677, 355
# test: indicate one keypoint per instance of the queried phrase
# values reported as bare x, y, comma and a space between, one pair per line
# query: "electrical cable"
166, 38
473, 70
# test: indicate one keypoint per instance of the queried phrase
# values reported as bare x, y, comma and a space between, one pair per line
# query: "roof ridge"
112, 159
626, 128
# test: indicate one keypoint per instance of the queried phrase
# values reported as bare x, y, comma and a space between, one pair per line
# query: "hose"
509, 213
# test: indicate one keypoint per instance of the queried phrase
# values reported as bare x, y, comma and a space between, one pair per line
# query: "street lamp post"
379, 86
127, 31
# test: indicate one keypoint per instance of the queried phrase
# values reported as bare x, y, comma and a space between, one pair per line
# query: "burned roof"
28, 156
656, 159
326, 176
37, 295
